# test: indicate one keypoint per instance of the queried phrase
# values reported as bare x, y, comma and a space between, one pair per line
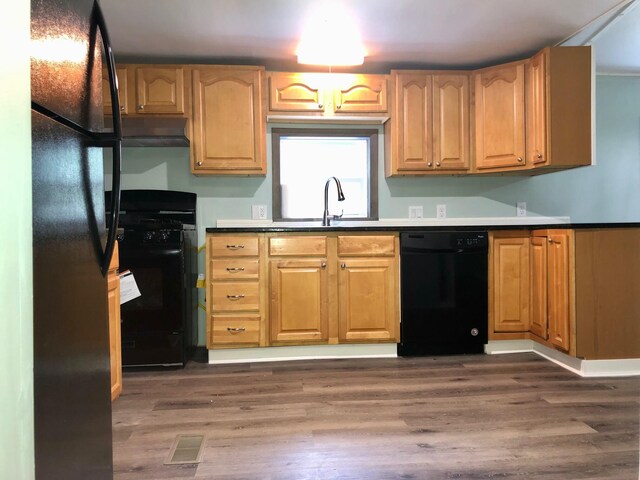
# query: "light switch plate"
521, 209
258, 212
415, 211
441, 211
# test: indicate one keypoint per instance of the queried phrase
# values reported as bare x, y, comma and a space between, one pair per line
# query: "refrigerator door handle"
116, 146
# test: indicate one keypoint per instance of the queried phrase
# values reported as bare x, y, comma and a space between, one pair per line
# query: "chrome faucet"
326, 221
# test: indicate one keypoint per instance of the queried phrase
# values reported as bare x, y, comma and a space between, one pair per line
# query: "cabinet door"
537, 109
299, 301
295, 92
123, 91
413, 123
159, 90
115, 343
510, 284
559, 290
451, 122
539, 324
367, 296
361, 94
500, 123
228, 128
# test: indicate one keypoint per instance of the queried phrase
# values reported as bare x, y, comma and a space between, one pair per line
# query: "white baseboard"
585, 368
307, 352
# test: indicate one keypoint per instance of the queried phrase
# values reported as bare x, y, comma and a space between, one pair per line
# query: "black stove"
158, 243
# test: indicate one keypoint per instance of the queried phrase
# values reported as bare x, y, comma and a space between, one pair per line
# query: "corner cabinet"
228, 125
531, 287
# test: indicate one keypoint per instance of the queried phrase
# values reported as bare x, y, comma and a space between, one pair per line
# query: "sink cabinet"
301, 289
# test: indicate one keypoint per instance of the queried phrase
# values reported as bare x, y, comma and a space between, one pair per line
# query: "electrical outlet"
259, 212
415, 211
441, 211
521, 209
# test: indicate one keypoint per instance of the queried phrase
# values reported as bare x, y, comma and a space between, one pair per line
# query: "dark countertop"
416, 228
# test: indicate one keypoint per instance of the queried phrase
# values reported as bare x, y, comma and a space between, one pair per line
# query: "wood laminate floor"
464, 417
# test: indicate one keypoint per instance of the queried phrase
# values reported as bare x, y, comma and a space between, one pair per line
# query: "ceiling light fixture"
331, 40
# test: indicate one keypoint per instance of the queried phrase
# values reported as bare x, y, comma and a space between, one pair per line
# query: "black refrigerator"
71, 244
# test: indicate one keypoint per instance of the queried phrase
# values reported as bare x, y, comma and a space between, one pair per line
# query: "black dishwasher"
444, 292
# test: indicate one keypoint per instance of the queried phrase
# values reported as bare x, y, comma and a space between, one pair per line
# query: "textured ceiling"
396, 33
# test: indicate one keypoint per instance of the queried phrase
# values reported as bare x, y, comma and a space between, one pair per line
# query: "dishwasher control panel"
425, 241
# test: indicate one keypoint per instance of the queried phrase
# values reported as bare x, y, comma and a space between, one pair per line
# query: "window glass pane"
306, 163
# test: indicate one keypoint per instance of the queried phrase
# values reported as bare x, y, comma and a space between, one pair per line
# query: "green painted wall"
16, 330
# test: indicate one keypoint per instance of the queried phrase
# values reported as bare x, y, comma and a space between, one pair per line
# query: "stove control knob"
164, 236
474, 332
148, 236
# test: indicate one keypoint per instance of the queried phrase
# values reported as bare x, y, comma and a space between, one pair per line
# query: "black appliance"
157, 241
71, 246
443, 292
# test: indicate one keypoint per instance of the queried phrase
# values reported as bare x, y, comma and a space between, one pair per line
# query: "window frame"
277, 133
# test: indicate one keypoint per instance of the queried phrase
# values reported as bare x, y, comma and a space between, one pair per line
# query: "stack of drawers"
233, 294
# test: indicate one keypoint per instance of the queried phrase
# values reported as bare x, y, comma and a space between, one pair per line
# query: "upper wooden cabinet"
430, 123
559, 108
149, 90
500, 116
326, 94
159, 89
123, 91
228, 128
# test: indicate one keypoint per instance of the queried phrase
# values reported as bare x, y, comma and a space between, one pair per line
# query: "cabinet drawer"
235, 330
233, 296
228, 246
379, 245
234, 269
298, 246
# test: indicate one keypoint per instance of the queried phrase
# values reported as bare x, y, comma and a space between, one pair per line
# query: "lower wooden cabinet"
296, 289
531, 286
367, 297
509, 282
299, 301
115, 345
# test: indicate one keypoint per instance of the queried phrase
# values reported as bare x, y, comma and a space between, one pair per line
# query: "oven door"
153, 325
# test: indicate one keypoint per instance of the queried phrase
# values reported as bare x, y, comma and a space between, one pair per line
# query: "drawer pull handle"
343, 266
236, 330
235, 269
235, 297
235, 247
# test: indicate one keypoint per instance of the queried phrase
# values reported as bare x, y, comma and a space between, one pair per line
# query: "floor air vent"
186, 449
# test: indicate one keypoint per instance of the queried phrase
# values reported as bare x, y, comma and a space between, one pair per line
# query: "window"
304, 159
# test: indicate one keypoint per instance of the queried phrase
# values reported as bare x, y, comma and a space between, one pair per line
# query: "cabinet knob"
320, 105
343, 266
339, 106
520, 159
199, 164
429, 164
539, 155
140, 107
122, 108
437, 164
323, 264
